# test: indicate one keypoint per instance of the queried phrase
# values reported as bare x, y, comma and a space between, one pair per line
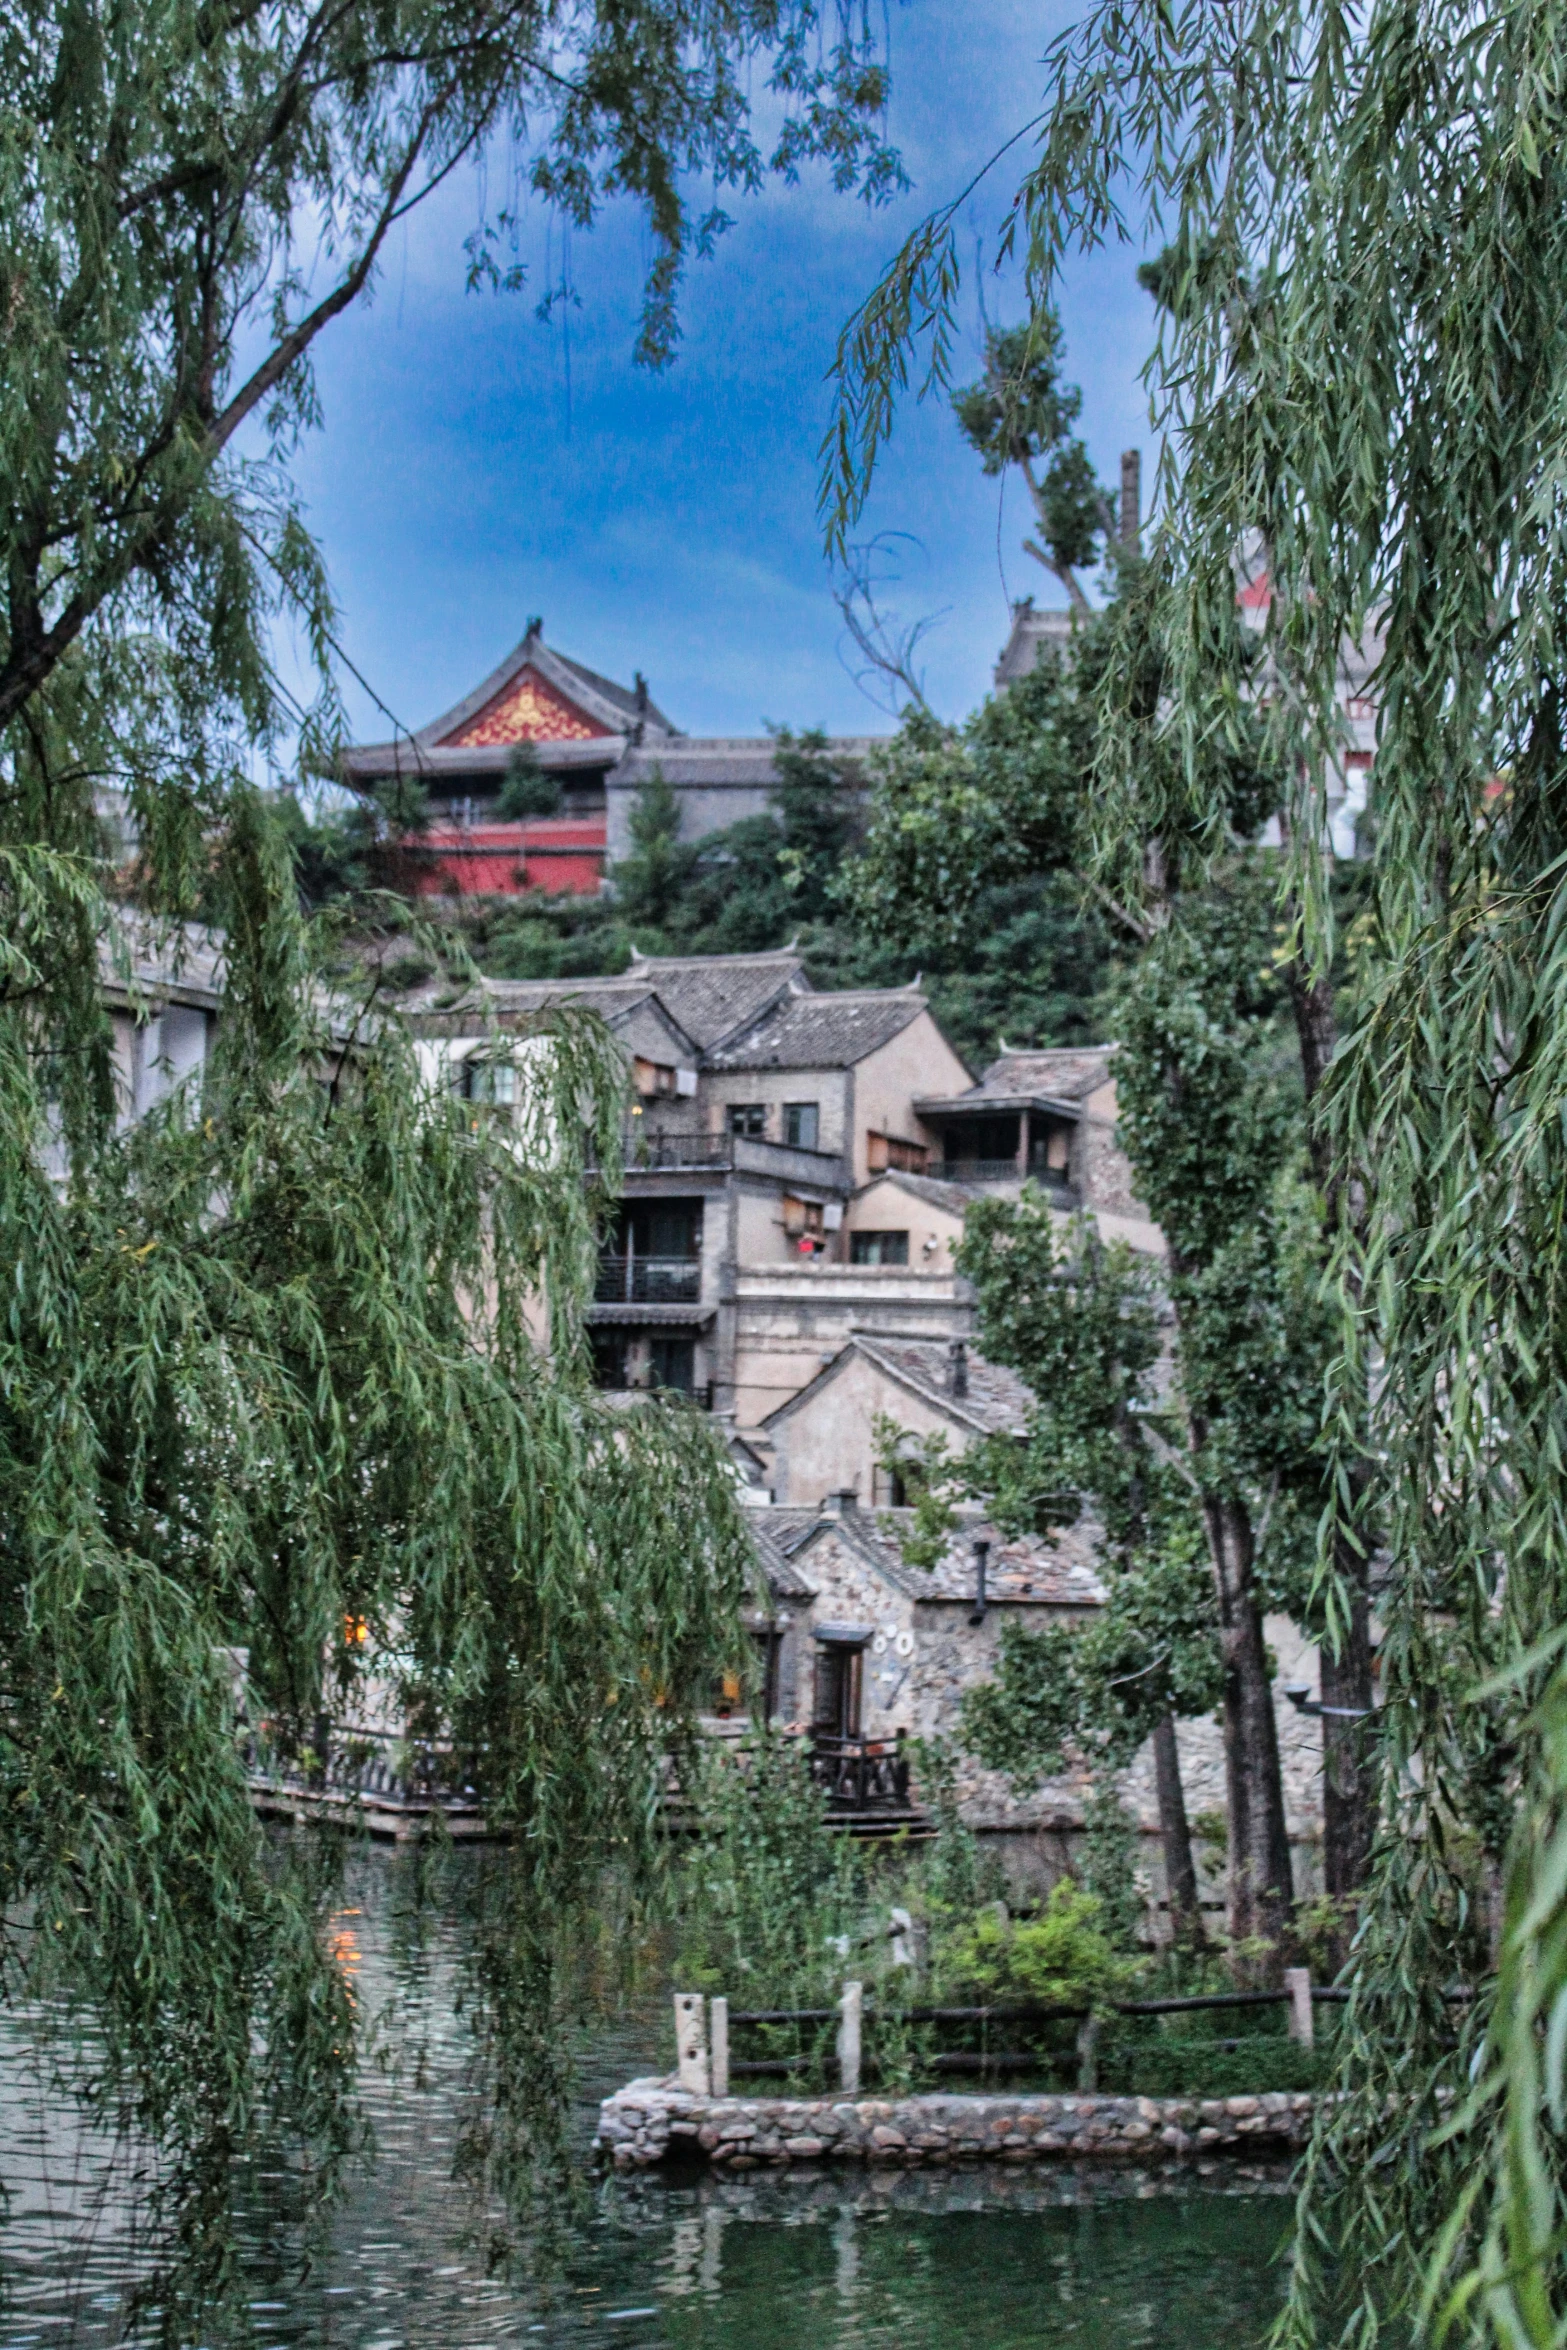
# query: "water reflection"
830, 2261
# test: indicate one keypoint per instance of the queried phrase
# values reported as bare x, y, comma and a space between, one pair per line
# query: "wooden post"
1088, 2055
691, 2042
1297, 1982
850, 2007
718, 2045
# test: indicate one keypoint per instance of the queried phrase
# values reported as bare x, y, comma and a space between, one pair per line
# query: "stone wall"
926, 1654
654, 2121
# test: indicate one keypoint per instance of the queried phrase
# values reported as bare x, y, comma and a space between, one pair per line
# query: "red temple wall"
561, 855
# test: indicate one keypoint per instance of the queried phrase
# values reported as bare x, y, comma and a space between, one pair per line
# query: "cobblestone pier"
654, 2121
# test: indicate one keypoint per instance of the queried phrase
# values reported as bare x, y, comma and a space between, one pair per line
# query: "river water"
1181, 2259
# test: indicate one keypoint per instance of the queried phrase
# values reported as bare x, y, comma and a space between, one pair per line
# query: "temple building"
597, 743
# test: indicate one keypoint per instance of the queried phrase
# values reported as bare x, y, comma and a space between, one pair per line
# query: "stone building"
822, 1440
799, 1164
861, 1646
761, 1111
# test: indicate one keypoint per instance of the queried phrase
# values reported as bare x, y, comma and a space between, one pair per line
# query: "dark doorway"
666, 1228
839, 1671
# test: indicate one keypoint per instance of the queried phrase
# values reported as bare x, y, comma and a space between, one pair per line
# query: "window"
610, 1368
804, 1219
748, 1118
653, 1077
983, 1139
489, 1081
878, 1248
801, 1125
889, 1150
672, 1364
753, 1690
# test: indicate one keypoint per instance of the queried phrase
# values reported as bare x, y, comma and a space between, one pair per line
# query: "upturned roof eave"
368, 762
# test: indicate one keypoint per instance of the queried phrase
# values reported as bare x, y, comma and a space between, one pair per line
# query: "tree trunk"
1261, 1884
1180, 1870
1348, 1766
1349, 1791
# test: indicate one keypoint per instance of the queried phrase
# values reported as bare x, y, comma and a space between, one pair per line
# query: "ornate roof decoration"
528, 710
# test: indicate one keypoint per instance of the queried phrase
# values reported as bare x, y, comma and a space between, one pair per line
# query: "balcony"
652, 1150
861, 1774
648, 1281
657, 1149
982, 1171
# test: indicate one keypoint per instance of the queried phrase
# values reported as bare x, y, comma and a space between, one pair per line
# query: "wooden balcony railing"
861, 1774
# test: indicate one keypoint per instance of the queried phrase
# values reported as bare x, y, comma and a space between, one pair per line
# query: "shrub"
1063, 1957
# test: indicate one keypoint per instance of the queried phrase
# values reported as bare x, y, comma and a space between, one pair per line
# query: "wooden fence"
703, 2026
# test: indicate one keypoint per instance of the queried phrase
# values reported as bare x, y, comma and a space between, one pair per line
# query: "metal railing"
681, 1147
648, 1281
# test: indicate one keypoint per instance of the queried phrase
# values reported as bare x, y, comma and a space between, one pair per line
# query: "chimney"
1132, 500
841, 1504
981, 1565
957, 1368
640, 727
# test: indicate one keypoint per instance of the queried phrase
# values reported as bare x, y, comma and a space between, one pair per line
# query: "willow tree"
1362, 380
271, 1362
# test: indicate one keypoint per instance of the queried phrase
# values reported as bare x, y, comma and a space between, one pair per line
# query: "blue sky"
667, 522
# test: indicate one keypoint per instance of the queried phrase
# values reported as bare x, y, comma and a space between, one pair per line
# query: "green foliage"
1020, 413
931, 1481
1106, 1863
1081, 1322
1255, 2067
527, 790
955, 811
650, 882
1362, 363
1064, 1957
271, 1365
753, 884
768, 1893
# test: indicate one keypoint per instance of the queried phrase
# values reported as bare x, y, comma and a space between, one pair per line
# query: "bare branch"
886, 650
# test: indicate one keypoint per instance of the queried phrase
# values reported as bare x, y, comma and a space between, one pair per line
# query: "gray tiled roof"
830, 1031
714, 995
1068, 1073
614, 999
1051, 1570
956, 1198
622, 696
996, 1400
1033, 1570
783, 1580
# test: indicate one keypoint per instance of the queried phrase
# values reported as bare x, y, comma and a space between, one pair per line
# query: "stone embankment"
656, 2121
